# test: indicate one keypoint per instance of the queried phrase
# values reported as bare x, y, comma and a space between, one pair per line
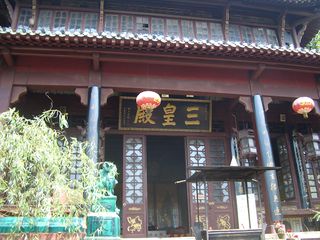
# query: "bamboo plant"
36, 160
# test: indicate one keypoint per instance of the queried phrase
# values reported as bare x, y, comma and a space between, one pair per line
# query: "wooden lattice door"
134, 217
218, 194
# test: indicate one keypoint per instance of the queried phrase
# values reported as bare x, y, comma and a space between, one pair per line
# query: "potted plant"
280, 230
37, 192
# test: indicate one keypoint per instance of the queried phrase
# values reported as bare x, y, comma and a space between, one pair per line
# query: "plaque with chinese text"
171, 115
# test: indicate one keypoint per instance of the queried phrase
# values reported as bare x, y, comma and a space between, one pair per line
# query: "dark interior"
167, 201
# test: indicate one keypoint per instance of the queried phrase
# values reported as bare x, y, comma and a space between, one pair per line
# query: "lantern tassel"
305, 115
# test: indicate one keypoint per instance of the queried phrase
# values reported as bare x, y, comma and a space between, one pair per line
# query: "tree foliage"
315, 42
36, 160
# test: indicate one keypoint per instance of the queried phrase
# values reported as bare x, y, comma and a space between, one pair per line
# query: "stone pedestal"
105, 224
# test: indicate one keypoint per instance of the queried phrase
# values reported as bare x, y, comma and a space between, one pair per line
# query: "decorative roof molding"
153, 43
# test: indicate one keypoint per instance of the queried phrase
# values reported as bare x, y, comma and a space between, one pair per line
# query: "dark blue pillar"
93, 123
272, 190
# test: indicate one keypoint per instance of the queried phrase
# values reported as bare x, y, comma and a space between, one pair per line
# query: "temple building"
227, 72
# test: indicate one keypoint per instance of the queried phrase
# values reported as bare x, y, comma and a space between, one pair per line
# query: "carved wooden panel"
134, 220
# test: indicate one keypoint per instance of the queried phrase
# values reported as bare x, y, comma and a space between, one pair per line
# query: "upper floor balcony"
174, 28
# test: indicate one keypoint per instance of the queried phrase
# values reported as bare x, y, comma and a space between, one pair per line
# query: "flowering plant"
291, 235
280, 229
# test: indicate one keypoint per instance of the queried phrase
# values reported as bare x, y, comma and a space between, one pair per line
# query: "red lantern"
303, 105
148, 100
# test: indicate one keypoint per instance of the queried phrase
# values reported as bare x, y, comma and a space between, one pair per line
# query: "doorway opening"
167, 199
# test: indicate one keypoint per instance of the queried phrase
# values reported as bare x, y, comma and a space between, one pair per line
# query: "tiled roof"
152, 43
298, 3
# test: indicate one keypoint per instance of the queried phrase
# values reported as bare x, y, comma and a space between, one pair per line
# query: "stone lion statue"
108, 173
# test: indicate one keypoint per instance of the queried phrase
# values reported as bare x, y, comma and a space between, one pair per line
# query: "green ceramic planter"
41, 224
65, 224
35, 224
10, 224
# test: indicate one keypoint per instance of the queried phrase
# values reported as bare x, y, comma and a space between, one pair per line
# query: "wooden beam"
158, 58
96, 61
8, 58
282, 28
255, 75
226, 19
101, 16
10, 9
34, 12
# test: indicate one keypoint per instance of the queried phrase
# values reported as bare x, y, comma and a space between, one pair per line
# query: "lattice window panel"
133, 171
221, 192
157, 26
44, 20
216, 31
187, 29
24, 17
197, 157
111, 23
202, 30
126, 24
234, 33
260, 35
90, 22
311, 180
286, 182
173, 28
75, 24
59, 22
142, 25
217, 153
272, 37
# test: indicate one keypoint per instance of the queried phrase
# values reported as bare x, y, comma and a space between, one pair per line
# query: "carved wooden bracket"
304, 23
17, 92
247, 103
105, 94
83, 94
301, 31
266, 102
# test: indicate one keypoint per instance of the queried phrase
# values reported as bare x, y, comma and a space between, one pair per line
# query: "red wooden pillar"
6, 82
